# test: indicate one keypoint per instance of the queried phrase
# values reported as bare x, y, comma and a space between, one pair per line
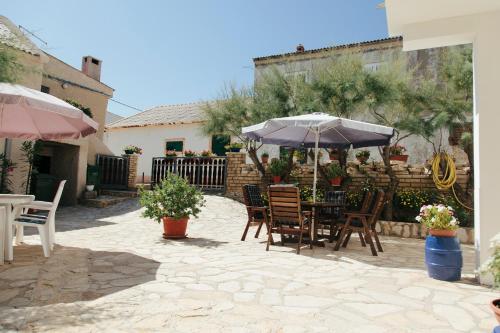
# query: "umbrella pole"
316, 144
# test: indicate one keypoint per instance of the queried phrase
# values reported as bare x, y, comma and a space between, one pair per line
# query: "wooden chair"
365, 208
330, 216
286, 215
364, 225
256, 211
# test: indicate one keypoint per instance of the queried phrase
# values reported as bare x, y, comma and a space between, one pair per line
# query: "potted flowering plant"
397, 153
234, 147
170, 153
189, 153
130, 149
277, 169
363, 156
439, 219
172, 202
443, 255
335, 174
206, 153
264, 157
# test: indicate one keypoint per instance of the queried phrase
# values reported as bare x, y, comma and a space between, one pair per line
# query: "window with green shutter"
175, 146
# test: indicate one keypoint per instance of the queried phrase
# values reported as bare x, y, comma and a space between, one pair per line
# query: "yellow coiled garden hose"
448, 177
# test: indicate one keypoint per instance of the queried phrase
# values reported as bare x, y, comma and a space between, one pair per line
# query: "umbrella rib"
279, 129
336, 130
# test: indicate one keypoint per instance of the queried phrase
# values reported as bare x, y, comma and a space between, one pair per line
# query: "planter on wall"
174, 228
234, 150
128, 152
402, 158
264, 159
276, 179
336, 181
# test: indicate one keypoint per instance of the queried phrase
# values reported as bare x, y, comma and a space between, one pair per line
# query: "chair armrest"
257, 209
40, 205
307, 213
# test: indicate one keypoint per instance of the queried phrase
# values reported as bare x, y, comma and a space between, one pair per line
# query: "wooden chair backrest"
284, 204
367, 202
338, 198
252, 196
378, 206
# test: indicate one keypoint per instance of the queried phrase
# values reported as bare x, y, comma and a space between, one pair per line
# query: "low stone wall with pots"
410, 176
416, 230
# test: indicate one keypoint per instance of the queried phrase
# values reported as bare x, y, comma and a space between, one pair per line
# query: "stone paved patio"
112, 271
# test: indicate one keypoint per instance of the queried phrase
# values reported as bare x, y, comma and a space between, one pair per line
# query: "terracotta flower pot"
495, 306
174, 228
336, 181
276, 179
442, 233
264, 159
402, 158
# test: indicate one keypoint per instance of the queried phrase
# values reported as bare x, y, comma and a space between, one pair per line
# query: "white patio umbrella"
31, 114
319, 130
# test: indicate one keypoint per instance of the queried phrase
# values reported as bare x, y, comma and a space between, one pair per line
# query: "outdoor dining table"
8, 201
315, 207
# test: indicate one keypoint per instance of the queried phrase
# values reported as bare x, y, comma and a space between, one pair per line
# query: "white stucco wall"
152, 140
427, 24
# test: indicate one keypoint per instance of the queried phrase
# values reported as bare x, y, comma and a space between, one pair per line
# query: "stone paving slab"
113, 272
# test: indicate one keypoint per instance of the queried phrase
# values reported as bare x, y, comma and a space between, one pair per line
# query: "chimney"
300, 48
92, 67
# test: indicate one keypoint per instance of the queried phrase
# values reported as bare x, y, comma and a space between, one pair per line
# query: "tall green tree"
443, 105
274, 95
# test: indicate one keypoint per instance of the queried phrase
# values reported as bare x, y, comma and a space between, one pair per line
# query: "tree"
445, 104
385, 90
10, 69
340, 88
275, 95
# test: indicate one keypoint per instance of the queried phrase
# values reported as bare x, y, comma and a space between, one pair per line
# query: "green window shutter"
175, 145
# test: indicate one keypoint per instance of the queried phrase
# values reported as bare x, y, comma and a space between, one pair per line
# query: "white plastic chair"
45, 224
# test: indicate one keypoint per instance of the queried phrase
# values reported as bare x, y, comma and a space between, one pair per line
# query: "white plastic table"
8, 201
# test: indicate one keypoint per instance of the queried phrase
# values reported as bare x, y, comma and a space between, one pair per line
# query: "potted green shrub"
130, 149
264, 157
234, 147
277, 169
363, 156
172, 202
397, 153
335, 174
443, 255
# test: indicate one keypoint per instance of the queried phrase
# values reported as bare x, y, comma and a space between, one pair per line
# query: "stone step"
120, 193
103, 201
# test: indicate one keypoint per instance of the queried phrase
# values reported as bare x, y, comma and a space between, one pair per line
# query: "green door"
218, 143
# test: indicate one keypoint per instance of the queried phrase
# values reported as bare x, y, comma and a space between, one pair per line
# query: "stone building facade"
63, 159
375, 54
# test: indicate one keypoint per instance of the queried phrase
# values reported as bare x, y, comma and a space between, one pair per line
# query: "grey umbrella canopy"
319, 130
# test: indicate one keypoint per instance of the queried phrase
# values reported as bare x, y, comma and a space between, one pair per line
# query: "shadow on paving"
78, 217
199, 242
69, 275
398, 253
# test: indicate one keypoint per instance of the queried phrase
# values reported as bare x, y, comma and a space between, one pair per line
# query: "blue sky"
169, 52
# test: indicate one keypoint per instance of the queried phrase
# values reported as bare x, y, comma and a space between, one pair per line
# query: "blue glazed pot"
443, 258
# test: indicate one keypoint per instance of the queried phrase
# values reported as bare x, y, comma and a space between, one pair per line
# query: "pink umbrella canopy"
30, 114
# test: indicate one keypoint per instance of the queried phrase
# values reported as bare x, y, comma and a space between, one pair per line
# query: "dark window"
95, 61
218, 143
45, 89
175, 146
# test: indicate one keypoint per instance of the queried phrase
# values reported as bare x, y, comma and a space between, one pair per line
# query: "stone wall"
410, 176
416, 230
